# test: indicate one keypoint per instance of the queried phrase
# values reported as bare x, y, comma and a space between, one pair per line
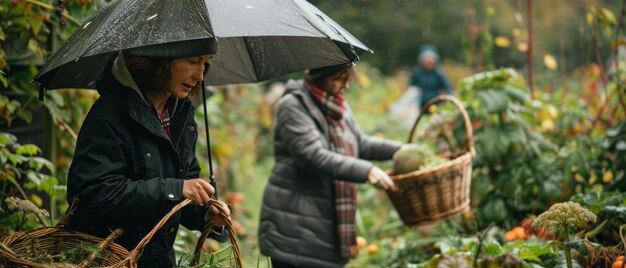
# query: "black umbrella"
257, 40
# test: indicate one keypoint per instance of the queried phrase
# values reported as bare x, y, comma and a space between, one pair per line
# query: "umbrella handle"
208, 141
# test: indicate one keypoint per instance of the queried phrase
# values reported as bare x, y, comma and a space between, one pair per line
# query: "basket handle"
133, 255
69, 214
208, 227
469, 143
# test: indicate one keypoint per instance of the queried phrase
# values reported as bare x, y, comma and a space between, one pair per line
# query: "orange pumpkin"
619, 262
373, 248
360, 242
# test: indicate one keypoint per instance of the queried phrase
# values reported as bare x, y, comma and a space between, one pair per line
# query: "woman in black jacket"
307, 215
135, 154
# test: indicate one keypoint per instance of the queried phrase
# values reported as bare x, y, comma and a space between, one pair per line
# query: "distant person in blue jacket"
428, 77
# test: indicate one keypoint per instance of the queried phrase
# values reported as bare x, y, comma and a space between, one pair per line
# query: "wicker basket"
133, 256
56, 240
438, 193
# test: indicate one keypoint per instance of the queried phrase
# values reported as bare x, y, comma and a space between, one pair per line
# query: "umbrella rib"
256, 73
355, 56
208, 15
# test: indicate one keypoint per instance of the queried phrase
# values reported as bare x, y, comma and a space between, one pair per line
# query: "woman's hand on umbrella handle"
380, 179
198, 190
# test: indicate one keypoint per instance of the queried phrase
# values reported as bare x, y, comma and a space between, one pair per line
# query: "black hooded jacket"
127, 173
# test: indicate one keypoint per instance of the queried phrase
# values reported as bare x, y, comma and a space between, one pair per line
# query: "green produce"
414, 157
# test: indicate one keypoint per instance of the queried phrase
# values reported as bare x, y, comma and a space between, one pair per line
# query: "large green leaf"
514, 133
517, 119
27, 149
35, 24
578, 245
492, 143
16, 158
5, 138
34, 178
44, 183
493, 101
491, 247
495, 210
613, 213
516, 94
37, 163
551, 188
449, 244
481, 186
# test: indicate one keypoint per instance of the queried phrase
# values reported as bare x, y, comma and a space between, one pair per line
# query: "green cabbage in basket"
414, 157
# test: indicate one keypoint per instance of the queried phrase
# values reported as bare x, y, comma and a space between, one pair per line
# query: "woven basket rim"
418, 173
46, 233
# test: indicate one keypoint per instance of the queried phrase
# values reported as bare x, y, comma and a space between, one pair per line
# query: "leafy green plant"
564, 219
614, 146
27, 209
611, 210
222, 258
461, 251
30, 31
21, 169
514, 170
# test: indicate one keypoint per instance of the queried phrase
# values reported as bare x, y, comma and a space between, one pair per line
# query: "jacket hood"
122, 74
295, 86
119, 79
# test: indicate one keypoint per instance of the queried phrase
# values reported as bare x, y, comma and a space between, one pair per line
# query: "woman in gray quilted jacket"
307, 215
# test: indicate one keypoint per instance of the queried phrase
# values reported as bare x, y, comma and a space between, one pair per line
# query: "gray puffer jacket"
298, 222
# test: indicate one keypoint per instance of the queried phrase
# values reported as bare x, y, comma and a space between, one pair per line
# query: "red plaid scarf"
345, 192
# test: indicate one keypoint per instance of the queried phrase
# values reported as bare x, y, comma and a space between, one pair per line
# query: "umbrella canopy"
257, 40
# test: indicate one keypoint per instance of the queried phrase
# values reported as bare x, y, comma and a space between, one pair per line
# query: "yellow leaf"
517, 32
593, 178
502, 41
550, 62
547, 125
608, 15
3, 80
579, 178
522, 46
607, 176
36, 200
590, 18
552, 111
